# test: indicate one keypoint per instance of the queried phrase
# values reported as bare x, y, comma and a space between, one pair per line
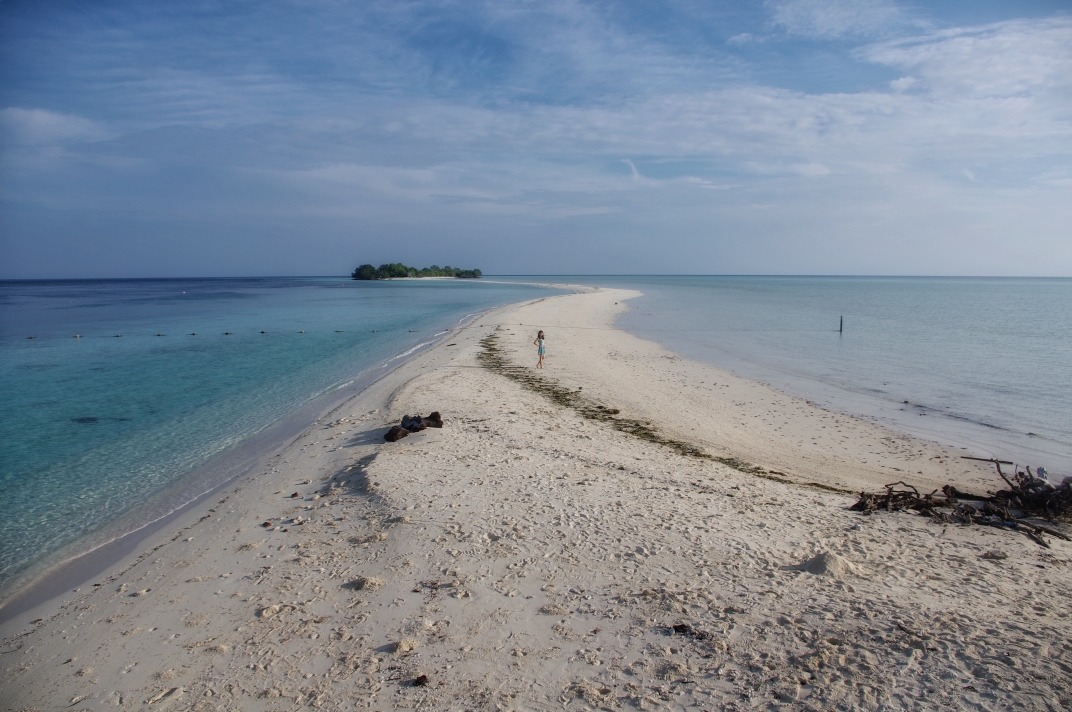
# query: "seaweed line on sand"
491, 357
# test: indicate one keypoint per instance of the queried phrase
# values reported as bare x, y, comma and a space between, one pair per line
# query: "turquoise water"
984, 363
96, 426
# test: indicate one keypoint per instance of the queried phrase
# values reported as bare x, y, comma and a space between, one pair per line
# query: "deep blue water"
94, 427
984, 363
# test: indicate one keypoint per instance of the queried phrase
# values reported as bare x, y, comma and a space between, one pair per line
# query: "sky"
554, 137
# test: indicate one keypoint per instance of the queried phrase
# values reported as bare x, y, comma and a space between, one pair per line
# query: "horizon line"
573, 275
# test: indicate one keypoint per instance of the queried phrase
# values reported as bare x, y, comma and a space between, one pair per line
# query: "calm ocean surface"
984, 363
95, 428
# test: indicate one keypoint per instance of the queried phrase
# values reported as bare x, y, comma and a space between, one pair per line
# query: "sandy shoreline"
83, 559
527, 557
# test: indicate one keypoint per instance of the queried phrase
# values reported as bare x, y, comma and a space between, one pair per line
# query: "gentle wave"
407, 352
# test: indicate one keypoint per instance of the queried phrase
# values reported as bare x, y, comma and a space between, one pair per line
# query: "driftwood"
1026, 497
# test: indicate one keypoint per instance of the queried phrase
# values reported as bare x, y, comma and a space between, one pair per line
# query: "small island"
397, 270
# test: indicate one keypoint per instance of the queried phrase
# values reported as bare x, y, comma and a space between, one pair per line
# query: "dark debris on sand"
413, 424
1026, 497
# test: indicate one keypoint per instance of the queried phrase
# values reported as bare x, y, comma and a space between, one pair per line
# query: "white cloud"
701, 148
961, 110
833, 19
1017, 58
39, 127
903, 84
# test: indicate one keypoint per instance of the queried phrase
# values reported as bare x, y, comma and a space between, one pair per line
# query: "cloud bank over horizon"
777, 137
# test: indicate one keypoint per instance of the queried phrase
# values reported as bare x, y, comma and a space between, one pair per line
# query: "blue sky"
775, 137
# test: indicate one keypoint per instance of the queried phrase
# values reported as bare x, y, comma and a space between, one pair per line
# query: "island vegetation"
397, 269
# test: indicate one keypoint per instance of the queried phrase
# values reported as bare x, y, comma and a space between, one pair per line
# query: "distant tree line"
398, 269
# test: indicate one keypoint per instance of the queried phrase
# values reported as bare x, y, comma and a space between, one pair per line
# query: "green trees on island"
397, 269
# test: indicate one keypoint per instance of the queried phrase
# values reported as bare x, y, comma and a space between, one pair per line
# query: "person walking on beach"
541, 350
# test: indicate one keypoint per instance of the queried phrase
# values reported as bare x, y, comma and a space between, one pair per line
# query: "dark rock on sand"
690, 631
395, 433
415, 423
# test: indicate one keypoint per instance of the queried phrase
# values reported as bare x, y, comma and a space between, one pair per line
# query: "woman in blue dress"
541, 350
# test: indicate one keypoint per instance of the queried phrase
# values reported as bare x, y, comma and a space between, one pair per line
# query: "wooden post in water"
841, 325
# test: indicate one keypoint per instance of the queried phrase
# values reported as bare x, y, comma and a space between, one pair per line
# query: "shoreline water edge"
114, 433
972, 363
82, 559
628, 528
88, 556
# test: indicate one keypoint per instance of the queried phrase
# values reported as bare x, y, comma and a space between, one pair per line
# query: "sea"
136, 396
125, 399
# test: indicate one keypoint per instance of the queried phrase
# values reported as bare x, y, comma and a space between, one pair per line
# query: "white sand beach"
527, 557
